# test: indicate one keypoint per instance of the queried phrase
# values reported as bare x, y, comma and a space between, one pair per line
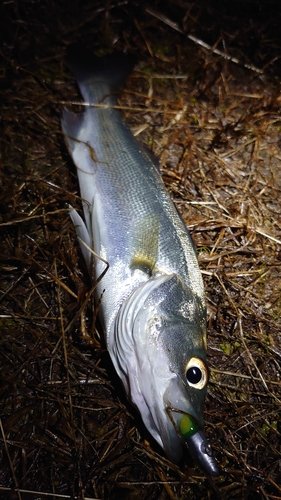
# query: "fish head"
160, 355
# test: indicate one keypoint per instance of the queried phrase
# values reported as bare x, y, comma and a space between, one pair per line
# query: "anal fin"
83, 233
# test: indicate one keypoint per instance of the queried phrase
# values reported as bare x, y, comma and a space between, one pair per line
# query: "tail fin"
98, 76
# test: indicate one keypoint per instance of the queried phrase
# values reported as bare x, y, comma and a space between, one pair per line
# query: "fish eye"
196, 373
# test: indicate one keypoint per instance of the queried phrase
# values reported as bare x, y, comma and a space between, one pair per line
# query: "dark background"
66, 427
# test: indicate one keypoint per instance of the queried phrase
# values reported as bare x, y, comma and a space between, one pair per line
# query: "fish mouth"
195, 440
184, 411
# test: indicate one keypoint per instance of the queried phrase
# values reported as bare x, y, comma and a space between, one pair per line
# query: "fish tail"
97, 77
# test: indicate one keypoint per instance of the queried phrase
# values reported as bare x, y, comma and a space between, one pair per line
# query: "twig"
10, 460
44, 494
196, 40
64, 347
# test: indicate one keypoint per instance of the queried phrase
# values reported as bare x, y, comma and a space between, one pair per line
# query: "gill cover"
158, 331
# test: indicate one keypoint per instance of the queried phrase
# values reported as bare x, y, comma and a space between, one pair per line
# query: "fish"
149, 287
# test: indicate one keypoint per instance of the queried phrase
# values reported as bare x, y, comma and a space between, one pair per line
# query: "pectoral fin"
145, 244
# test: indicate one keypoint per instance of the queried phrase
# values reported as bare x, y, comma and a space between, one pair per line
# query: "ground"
205, 97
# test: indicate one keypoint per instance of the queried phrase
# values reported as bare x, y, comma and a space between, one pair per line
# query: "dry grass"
66, 429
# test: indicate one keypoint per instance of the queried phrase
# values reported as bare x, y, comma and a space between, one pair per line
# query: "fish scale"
152, 304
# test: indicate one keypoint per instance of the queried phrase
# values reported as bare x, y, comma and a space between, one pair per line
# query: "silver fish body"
152, 303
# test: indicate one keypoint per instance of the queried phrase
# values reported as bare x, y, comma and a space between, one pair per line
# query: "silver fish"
152, 305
